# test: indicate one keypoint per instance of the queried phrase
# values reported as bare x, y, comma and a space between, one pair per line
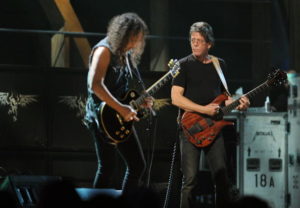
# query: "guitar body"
201, 130
113, 124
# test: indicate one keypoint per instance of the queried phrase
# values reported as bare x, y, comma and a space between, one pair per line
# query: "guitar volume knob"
199, 142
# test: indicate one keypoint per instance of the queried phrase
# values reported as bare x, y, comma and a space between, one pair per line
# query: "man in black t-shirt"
193, 90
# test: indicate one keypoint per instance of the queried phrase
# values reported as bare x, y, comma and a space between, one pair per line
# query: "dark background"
49, 138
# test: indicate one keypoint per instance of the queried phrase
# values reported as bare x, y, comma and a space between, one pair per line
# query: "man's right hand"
128, 113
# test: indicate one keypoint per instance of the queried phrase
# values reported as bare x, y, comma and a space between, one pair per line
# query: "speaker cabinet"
25, 188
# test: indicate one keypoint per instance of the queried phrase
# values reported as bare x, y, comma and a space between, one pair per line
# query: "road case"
263, 157
294, 142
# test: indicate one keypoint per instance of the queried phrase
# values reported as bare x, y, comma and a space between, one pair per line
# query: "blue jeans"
216, 159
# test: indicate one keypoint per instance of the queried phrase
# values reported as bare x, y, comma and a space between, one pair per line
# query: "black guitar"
114, 126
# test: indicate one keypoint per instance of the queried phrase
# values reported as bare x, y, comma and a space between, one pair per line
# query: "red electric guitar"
201, 130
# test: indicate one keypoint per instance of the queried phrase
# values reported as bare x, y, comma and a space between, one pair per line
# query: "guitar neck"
249, 95
154, 88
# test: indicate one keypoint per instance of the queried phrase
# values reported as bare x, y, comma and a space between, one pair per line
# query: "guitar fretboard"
157, 85
250, 94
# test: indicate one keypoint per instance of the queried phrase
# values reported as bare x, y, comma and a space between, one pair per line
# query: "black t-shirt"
200, 81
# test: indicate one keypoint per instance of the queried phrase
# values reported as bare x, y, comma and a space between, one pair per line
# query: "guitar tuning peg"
171, 63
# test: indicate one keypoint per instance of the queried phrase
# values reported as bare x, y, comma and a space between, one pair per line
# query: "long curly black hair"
120, 29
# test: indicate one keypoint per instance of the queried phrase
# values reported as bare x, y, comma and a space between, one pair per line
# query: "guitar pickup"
134, 105
196, 128
120, 119
209, 121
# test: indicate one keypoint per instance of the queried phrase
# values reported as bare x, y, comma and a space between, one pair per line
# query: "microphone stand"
152, 114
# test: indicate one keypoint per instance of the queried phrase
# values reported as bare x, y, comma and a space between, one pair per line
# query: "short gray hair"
205, 30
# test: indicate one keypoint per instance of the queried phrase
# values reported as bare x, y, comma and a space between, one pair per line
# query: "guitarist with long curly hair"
194, 90
112, 61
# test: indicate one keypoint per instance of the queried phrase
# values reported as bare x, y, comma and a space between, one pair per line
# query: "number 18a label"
262, 180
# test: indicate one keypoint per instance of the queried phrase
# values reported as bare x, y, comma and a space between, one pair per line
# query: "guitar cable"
171, 173
150, 155
152, 114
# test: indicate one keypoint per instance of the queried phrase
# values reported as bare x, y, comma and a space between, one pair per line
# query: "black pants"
216, 158
131, 153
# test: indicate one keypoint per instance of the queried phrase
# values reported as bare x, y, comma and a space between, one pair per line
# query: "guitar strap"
128, 64
135, 72
217, 66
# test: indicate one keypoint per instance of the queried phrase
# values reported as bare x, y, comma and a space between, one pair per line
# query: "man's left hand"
244, 103
148, 102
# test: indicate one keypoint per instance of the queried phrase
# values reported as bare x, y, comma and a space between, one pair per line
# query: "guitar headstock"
175, 67
277, 78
